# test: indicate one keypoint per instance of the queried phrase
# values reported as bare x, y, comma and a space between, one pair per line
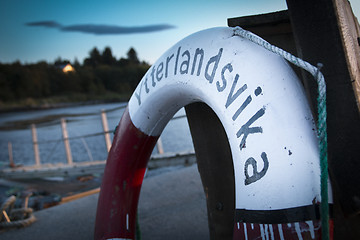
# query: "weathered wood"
106, 129
216, 168
350, 32
94, 167
319, 38
66, 141
35, 144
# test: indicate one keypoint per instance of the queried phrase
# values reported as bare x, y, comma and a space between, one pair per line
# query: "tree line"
99, 75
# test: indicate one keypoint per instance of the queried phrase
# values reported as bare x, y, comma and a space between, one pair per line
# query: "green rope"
321, 103
322, 115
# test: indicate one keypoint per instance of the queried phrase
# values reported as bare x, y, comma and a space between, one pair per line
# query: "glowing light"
68, 68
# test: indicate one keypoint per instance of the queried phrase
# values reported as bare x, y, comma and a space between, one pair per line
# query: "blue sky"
178, 19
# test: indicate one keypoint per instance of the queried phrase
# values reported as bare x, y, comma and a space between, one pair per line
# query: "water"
81, 120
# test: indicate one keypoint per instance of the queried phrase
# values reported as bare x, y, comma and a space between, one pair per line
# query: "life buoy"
264, 112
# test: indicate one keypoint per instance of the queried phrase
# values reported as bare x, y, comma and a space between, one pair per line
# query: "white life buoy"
264, 112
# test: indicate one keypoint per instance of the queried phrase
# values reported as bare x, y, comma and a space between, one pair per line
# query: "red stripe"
121, 184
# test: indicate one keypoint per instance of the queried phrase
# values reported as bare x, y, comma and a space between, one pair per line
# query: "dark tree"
132, 56
99, 77
59, 61
76, 64
107, 57
94, 59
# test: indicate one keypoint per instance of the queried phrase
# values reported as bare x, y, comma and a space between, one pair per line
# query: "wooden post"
319, 38
35, 145
66, 141
216, 168
11, 160
159, 146
106, 129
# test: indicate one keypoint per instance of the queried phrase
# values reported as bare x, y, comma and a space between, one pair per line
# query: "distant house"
66, 68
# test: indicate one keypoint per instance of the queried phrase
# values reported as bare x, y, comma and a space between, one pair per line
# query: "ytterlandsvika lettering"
181, 63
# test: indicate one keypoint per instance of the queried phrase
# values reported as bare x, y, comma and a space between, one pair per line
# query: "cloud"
50, 24
101, 29
110, 29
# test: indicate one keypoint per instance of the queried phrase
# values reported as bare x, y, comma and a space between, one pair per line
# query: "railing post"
66, 141
11, 160
35, 145
106, 129
159, 146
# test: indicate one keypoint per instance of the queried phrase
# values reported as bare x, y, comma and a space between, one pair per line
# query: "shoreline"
59, 102
53, 106
23, 124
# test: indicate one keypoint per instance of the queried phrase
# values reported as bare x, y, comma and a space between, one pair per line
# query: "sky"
44, 30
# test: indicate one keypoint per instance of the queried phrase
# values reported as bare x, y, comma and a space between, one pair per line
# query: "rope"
15, 218
321, 124
76, 137
19, 223
8, 204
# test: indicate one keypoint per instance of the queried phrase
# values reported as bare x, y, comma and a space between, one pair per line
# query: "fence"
66, 140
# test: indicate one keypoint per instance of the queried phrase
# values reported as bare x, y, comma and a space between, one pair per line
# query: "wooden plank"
350, 33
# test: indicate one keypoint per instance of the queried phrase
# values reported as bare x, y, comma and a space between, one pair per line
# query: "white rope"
238, 31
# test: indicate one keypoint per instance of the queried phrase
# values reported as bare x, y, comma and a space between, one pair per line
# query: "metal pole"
35, 145
106, 129
66, 141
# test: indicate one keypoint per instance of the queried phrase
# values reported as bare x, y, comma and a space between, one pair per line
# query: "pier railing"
66, 140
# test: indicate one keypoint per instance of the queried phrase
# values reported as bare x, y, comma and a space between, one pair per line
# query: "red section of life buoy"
124, 173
